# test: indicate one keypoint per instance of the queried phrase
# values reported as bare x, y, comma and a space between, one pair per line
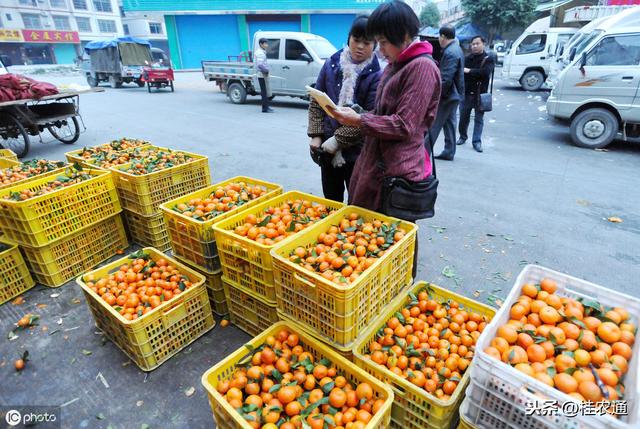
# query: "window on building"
28, 2
84, 24
125, 27
31, 20
294, 50
107, 26
616, 51
61, 22
9, 17
532, 44
102, 5
155, 28
58, 4
80, 4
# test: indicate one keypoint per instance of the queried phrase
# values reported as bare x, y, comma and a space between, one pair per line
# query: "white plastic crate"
498, 394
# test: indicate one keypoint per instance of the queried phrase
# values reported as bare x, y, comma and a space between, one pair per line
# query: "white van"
529, 60
598, 93
583, 38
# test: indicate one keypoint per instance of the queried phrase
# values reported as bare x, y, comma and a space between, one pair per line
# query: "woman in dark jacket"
350, 77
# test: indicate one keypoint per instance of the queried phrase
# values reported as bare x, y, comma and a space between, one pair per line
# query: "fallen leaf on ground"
86, 352
190, 391
100, 416
42, 305
18, 301
448, 272
614, 219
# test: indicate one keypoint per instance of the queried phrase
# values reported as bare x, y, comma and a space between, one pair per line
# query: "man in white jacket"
263, 74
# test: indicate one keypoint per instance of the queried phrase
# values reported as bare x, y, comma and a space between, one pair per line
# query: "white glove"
330, 146
338, 161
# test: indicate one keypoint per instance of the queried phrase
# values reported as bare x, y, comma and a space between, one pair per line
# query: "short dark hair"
478, 37
394, 21
262, 40
359, 28
448, 31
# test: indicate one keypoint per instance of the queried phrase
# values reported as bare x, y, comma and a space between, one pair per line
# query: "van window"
294, 50
616, 51
273, 50
562, 41
531, 44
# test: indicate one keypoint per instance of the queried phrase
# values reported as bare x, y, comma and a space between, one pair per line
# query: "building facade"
150, 27
218, 29
54, 31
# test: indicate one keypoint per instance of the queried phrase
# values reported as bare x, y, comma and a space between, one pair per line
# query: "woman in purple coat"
350, 77
405, 107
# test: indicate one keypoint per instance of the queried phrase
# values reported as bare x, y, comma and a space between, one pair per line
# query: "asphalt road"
531, 197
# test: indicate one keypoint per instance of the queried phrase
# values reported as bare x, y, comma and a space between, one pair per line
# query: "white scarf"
350, 73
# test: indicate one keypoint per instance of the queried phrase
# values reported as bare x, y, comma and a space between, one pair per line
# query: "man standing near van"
263, 79
452, 75
478, 69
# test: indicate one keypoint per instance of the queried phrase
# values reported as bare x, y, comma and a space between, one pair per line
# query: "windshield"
323, 48
581, 46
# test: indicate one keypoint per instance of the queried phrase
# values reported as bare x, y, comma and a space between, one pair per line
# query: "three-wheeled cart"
158, 76
59, 114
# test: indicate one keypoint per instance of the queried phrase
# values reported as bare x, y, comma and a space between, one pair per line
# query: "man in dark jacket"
452, 75
479, 66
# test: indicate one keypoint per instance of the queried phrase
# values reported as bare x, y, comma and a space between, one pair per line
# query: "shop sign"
46, 36
10, 35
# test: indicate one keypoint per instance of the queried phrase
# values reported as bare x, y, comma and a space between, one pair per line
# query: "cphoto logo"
13, 417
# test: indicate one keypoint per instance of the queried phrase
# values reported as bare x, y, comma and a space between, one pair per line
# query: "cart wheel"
92, 81
171, 84
67, 133
15, 136
140, 83
149, 87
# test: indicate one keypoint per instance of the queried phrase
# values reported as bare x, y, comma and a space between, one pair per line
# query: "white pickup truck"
295, 60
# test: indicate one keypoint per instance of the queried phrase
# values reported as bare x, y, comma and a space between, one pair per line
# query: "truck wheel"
236, 93
532, 80
594, 128
114, 82
92, 81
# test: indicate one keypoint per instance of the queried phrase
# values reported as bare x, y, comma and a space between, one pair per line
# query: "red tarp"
622, 2
17, 87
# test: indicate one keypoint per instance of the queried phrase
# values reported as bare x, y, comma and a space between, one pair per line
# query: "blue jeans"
470, 103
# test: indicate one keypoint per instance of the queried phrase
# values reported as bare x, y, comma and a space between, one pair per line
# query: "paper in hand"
323, 100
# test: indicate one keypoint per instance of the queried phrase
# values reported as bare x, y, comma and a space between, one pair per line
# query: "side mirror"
306, 57
572, 53
583, 60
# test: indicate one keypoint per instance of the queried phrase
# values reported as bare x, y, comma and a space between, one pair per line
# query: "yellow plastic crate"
14, 275
144, 194
228, 418
147, 231
246, 311
194, 240
215, 287
46, 218
248, 262
55, 264
9, 154
6, 163
155, 337
413, 407
74, 156
339, 314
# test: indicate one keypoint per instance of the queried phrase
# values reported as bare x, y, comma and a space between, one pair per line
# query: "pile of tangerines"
140, 285
344, 251
112, 148
114, 158
278, 222
221, 200
156, 160
26, 170
283, 386
64, 181
429, 343
577, 346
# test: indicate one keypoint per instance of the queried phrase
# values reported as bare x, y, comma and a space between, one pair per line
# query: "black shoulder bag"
407, 200
485, 99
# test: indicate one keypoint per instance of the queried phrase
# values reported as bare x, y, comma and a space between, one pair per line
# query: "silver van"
598, 93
